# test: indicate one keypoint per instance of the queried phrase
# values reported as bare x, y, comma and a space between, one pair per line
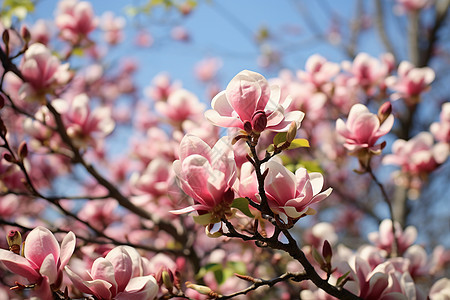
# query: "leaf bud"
5, 37
25, 33
23, 150
14, 239
2, 101
292, 132
327, 252
384, 111
199, 288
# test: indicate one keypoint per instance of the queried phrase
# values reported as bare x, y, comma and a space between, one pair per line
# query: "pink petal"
19, 265
123, 266
39, 243
67, 248
48, 268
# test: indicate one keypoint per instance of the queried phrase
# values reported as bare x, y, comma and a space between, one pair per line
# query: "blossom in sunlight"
289, 195
318, 71
206, 174
440, 289
441, 130
249, 103
180, 106
384, 238
42, 71
119, 275
84, 124
206, 69
410, 82
418, 155
43, 258
113, 27
363, 129
75, 20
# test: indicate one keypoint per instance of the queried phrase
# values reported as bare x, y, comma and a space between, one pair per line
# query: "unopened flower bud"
248, 127
292, 132
2, 101
2, 128
167, 278
5, 37
327, 252
384, 111
23, 150
9, 158
199, 288
25, 33
14, 239
259, 121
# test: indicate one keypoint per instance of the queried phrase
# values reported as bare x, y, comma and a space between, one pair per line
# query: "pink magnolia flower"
144, 39
40, 32
288, 195
75, 20
411, 81
318, 71
116, 276
440, 290
441, 130
413, 5
162, 87
180, 33
367, 71
206, 174
42, 72
384, 238
363, 129
113, 28
418, 155
180, 105
156, 178
83, 125
249, 98
384, 282
43, 258
207, 69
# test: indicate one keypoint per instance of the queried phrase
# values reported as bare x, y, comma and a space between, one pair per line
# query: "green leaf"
279, 138
220, 278
242, 205
311, 165
298, 143
317, 257
203, 219
211, 267
342, 278
237, 267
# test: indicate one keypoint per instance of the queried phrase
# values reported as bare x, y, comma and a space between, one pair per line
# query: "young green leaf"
242, 205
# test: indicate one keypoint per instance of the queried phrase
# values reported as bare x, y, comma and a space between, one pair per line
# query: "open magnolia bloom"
289, 195
119, 275
249, 103
43, 259
363, 129
206, 174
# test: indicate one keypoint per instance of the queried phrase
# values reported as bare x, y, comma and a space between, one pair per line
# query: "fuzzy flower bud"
2, 101
199, 288
291, 133
384, 111
259, 121
25, 33
14, 239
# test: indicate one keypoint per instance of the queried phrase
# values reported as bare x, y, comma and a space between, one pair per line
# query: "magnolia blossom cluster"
209, 175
